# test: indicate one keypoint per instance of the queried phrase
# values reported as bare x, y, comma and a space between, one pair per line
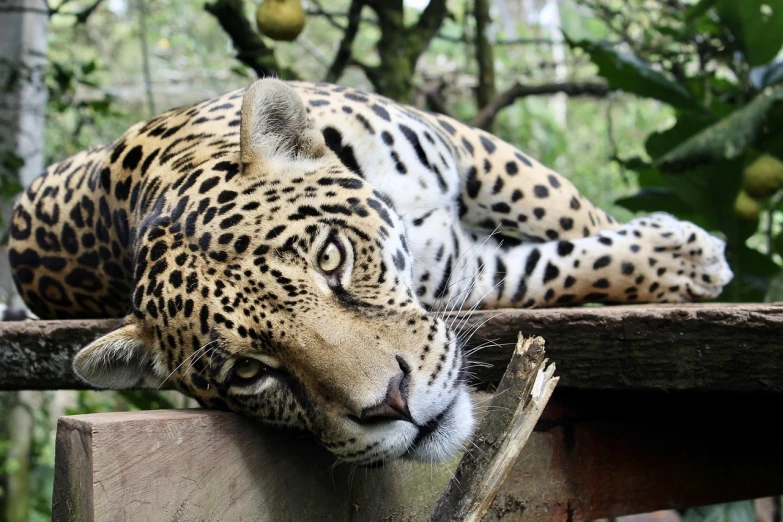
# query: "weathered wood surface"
38, 355
707, 347
206, 465
593, 455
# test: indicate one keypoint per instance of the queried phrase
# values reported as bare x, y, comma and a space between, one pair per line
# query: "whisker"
183, 362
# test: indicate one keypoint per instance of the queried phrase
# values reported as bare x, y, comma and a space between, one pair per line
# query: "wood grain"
192, 465
707, 347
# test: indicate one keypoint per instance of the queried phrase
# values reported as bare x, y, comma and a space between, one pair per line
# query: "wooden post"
216, 466
592, 455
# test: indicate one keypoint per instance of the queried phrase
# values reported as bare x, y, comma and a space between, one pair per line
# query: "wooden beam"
208, 465
704, 347
708, 347
593, 455
38, 355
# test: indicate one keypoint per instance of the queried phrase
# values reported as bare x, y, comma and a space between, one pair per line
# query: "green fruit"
280, 19
747, 208
763, 177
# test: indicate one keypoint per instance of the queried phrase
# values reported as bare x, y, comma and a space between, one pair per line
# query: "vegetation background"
645, 105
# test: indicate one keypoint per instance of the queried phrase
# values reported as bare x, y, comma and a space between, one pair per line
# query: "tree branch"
430, 96
250, 48
425, 29
331, 16
84, 14
509, 96
343, 56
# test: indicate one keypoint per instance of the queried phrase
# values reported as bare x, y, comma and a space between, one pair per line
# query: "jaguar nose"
395, 405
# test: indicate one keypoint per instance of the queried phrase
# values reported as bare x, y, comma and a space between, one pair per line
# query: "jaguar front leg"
650, 259
503, 188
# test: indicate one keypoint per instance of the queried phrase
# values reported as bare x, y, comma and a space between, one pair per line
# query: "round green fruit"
763, 177
280, 19
746, 207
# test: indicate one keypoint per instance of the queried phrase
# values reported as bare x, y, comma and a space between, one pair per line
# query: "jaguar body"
284, 251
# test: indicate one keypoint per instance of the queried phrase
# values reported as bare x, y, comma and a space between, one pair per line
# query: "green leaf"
100, 106
659, 143
775, 291
656, 199
757, 24
727, 139
698, 10
632, 74
146, 399
88, 67
633, 163
241, 71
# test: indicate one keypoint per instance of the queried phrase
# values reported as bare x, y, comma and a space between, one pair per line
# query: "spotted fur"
210, 229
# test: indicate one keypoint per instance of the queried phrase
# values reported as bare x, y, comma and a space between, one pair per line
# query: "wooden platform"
715, 347
659, 406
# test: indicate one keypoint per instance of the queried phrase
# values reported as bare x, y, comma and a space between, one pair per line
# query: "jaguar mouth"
429, 430
427, 435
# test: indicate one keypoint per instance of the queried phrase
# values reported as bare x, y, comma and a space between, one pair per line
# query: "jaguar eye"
331, 258
248, 369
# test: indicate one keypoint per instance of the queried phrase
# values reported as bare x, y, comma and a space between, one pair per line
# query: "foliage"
10, 163
77, 114
714, 62
11, 75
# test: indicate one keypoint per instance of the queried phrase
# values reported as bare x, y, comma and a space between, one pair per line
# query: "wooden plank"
711, 347
208, 465
707, 347
37, 355
593, 455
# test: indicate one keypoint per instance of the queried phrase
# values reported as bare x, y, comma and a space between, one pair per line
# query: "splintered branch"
521, 396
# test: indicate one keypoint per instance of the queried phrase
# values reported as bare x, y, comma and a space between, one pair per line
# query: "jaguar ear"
274, 125
123, 358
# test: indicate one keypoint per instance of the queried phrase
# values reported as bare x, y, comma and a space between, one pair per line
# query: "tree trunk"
23, 25
485, 58
23, 28
550, 17
400, 47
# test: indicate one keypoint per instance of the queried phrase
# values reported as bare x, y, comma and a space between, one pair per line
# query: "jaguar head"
283, 292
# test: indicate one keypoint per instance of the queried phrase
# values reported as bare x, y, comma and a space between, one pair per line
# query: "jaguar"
288, 252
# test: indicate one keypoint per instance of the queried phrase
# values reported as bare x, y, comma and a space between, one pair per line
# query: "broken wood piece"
517, 405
